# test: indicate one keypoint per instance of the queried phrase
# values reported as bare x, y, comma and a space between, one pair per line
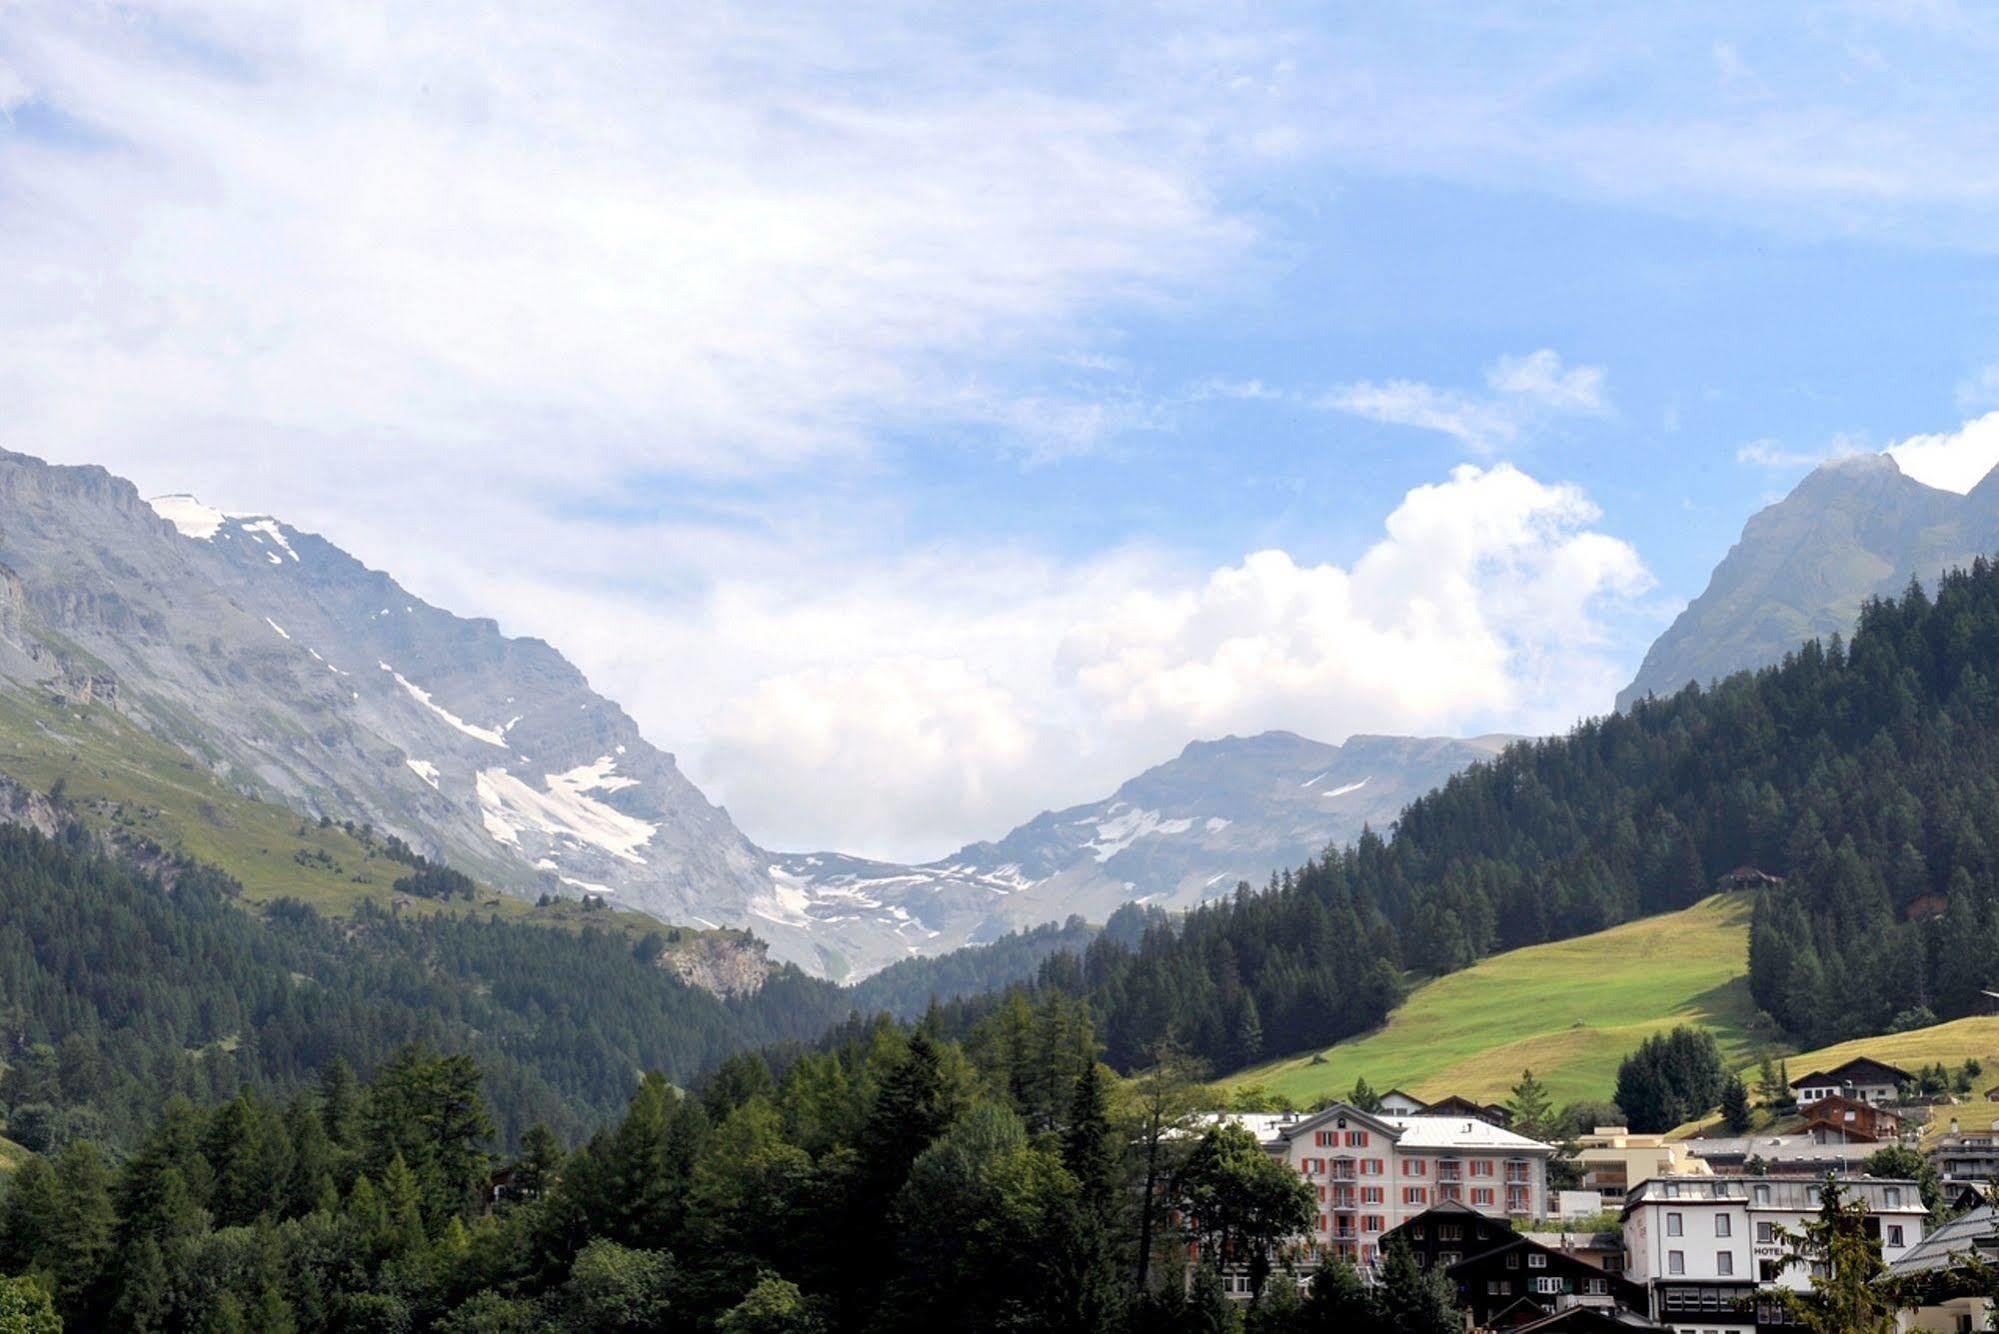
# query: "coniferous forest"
894, 1181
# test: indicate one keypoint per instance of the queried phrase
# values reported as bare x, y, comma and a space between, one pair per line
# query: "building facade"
1704, 1246
1372, 1172
1613, 1160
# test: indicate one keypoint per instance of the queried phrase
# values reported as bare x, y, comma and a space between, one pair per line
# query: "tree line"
899, 1180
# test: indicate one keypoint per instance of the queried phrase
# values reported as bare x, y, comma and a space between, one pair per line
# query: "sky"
921, 416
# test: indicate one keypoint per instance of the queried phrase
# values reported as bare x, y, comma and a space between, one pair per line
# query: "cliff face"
728, 963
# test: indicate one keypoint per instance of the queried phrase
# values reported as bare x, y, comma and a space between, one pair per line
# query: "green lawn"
1569, 1011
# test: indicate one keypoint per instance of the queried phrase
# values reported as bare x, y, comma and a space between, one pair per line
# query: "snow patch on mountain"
422, 696
189, 515
509, 807
1344, 788
262, 528
1121, 831
425, 770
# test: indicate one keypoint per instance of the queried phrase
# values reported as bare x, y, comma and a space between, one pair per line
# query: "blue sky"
920, 417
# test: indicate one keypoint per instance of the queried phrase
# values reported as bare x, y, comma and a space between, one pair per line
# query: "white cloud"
1481, 603
1522, 392
720, 239
1956, 461
1491, 602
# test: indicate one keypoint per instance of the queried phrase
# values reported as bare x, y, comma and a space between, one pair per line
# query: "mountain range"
1855, 528
299, 676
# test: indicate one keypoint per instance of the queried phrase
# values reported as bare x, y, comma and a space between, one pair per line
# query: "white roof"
1458, 1132
1411, 1132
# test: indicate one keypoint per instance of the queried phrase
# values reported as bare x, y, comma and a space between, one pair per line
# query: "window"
1370, 1195
1445, 1259
1894, 1234
1672, 1190
1513, 1260
1373, 1223
1481, 1195
1722, 1227
1548, 1286
1597, 1287
1893, 1197
1762, 1195
1356, 1139
1537, 1261
1415, 1195
1724, 1263
1450, 1232
1674, 1224
1676, 1262
1481, 1167
1370, 1167
1766, 1233
1416, 1167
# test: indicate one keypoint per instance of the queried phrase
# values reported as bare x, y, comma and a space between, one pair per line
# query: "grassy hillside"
1568, 1010
121, 778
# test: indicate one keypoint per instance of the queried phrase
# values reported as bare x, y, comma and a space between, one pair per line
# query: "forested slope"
1866, 772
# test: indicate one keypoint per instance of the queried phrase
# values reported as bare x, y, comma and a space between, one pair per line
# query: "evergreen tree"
1849, 1292
1533, 1111
1416, 1300
1735, 1105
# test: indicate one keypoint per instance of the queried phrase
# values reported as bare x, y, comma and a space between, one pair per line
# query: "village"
1689, 1232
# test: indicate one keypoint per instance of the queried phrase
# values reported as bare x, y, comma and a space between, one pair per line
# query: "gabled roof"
1859, 1070
1455, 1105
1342, 1114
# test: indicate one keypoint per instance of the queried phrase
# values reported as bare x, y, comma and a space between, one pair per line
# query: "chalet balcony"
1450, 1172
1343, 1169
1518, 1174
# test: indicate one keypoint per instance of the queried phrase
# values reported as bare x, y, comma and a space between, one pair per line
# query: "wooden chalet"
1842, 1120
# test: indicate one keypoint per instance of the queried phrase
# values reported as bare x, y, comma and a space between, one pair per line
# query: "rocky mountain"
300, 676
1855, 528
1179, 833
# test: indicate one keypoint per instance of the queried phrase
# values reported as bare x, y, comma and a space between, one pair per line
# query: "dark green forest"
896, 1181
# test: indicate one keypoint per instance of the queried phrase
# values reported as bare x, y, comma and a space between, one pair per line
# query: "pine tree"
1363, 1097
1735, 1105
1849, 1294
1416, 1300
1533, 1111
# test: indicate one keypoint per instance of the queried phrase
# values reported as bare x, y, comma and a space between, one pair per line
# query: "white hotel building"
1372, 1172
1703, 1246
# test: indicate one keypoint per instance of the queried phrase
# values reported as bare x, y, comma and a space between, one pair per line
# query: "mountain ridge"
299, 674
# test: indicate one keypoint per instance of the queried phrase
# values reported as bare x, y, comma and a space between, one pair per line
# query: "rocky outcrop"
728, 963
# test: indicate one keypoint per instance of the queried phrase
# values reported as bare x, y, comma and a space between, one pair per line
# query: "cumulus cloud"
1954, 461
1479, 603
1490, 602
1521, 392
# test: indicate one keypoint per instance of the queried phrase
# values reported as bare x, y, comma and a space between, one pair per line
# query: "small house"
1862, 1079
